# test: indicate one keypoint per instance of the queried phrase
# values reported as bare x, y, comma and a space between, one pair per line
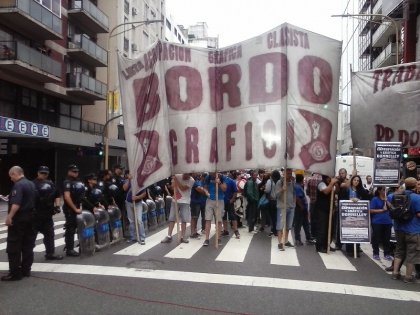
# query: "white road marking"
236, 249
337, 261
58, 242
186, 251
224, 279
288, 257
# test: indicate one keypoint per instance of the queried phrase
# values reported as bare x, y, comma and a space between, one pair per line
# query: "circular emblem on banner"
149, 165
318, 151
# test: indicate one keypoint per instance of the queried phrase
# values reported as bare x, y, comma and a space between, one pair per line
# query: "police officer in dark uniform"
119, 198
47, 204
20, 233
94, 196
73, 192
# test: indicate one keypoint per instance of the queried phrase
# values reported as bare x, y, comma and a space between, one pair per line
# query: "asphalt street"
246, 276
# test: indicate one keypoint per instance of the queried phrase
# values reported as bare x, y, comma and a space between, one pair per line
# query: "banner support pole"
176, 210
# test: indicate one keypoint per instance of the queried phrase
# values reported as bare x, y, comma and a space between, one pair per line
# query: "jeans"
381, 233
301, 219
130, 215
290, 213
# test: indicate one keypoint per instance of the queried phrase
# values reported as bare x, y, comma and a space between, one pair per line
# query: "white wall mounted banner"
190, 109
385, 106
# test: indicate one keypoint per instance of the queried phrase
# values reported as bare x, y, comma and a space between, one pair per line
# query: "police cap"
73, 167
43, 169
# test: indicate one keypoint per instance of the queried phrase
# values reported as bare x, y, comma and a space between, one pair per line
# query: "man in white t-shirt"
182, 185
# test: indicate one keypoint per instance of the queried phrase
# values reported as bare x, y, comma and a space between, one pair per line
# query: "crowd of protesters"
274, 203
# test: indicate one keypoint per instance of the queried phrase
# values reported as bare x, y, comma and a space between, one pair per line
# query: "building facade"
385, 34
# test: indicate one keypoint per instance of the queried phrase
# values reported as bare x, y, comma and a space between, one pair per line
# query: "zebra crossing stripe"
284, 258
136, 249
340, 289
186, 251
58, 242
3, 228
337, 261
236, 249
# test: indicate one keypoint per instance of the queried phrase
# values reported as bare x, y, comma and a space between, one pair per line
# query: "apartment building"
49, 58
385, 34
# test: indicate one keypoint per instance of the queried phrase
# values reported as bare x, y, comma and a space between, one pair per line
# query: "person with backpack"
407, 231
381, 224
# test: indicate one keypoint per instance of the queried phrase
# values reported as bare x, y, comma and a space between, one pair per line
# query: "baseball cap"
73, 167
43, 169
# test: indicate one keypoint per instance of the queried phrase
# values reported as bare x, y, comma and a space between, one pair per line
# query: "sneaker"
225, 233
395, 276
280, 246
183, 240
206, 243
195, 235
166, 240
389, 258
288, 244
237, 234
389, 269
142, 242
376, 257
220, 242
131, 241
311, 241
298, 243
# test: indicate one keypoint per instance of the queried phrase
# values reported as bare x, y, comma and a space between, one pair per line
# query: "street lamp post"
393, 21
108, 72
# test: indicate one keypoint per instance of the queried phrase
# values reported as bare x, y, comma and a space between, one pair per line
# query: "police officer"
118, 180
94, 196
73, 191
47, 204
20, 233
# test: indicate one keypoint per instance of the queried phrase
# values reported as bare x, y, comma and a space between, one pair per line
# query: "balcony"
85, 88
364, 46
377, 9
31, 19
25, 62
88, 17
365, 25
364, 5
386, 57
85, 50
381, 36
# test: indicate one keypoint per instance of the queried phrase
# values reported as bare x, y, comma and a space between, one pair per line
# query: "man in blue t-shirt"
214, 207
230, 197
408, 240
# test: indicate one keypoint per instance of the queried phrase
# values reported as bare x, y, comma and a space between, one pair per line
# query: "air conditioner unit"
133, 47
133, 11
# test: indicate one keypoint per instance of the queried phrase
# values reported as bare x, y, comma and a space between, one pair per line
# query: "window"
70, 116
168, 25
126, 44
126, 7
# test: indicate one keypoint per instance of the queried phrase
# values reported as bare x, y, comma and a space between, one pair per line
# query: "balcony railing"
83, 81
377, 9
386, 55
13, 50
91, 127
92, 10
90, 47
381, 36
36, 11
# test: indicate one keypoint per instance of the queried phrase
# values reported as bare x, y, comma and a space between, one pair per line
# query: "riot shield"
102, 228
160, 208
152, 215
115, 224
86, 232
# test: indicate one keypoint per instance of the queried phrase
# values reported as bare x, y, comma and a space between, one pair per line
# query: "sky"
237, 20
